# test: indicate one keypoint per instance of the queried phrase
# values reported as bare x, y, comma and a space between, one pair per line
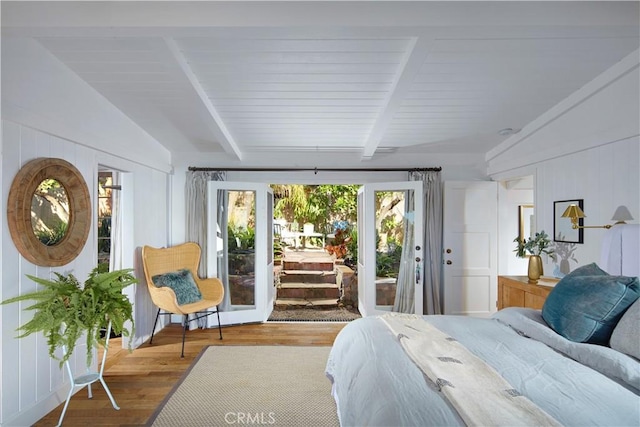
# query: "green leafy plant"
388, 263
278, 250
64, 309
536, 245
351, 258
240, 238
51, 236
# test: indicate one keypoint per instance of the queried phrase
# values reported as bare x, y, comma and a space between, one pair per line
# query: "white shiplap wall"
48, 111
604, 177
587, 147
32, 382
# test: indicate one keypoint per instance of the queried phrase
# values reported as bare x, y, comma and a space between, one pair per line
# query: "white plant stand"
88, 378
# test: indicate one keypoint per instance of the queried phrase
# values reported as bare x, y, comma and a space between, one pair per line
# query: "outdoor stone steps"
308, 265
293, 303
308, 279
308, 285
307, 276
309, 291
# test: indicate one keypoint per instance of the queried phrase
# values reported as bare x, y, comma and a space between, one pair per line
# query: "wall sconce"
621, 215
574, 212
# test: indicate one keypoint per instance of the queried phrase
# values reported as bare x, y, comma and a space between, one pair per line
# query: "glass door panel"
241, 243
390, 209
241, 255
391, 224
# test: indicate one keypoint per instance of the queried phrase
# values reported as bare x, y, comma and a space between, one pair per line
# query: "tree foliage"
320, 205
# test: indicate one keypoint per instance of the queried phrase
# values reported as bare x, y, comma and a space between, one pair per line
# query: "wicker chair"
185, 256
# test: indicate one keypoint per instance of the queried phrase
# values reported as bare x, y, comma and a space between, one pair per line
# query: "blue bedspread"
376, 384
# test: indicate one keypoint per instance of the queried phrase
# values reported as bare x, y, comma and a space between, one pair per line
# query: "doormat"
313, 315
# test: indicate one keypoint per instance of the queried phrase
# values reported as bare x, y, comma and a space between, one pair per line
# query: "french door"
390, 247
240, 253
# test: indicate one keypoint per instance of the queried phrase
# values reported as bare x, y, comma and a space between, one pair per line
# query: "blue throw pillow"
182, 283
587, 308
588, 270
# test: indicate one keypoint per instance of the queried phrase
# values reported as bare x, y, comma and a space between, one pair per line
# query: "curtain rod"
316, 170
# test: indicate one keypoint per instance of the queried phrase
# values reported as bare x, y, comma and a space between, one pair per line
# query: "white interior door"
383, 209
470, 247
240, 237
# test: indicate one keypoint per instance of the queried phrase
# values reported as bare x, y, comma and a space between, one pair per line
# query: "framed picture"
526, 224
562, 227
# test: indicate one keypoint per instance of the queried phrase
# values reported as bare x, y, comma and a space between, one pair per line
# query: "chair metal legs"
219, 324
185, 324
153, 331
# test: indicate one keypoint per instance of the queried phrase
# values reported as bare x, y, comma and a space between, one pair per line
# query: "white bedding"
376, 383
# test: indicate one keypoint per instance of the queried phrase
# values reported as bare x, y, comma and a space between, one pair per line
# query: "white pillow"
626, 335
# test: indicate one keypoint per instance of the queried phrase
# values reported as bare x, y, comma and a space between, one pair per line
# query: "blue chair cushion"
182, 283
586, 308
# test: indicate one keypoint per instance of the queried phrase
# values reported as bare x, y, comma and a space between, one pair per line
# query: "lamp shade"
622, 214
573, 211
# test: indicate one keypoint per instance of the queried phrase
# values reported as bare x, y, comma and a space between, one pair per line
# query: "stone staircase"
307, 280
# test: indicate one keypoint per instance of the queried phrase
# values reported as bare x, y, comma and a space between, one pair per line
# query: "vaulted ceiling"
370, 78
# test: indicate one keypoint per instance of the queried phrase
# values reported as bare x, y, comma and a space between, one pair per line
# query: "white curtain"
116, 261
223, 235
115, 251
196, 216
196, 210
405, 285
432, 255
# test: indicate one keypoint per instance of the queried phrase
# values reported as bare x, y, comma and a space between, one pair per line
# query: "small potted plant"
535, 246
65, 310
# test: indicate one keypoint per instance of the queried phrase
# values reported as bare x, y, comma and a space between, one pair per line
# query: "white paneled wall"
33, 383
587, 147
604, 177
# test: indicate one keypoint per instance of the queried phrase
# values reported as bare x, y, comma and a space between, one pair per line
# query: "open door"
240, 235
390, 232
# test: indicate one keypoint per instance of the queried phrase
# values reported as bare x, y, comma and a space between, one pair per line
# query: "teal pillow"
587, 308
182, 283
588, 270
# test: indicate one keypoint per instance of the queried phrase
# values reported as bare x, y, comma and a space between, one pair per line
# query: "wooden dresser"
515, 291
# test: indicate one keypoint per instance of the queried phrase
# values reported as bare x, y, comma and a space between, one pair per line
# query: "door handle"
449, 262
448, 251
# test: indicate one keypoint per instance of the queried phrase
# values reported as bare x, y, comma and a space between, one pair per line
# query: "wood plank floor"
140, 380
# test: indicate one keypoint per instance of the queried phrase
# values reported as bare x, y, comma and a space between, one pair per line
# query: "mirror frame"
19, 202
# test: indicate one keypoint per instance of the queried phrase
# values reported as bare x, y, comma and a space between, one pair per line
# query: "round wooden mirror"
68, 222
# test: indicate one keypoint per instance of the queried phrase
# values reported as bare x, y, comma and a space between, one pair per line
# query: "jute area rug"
255, 385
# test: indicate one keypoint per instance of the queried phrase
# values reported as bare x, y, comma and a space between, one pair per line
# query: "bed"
384, 375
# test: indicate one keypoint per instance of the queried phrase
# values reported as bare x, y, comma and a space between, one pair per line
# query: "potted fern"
65, 310
535, 246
